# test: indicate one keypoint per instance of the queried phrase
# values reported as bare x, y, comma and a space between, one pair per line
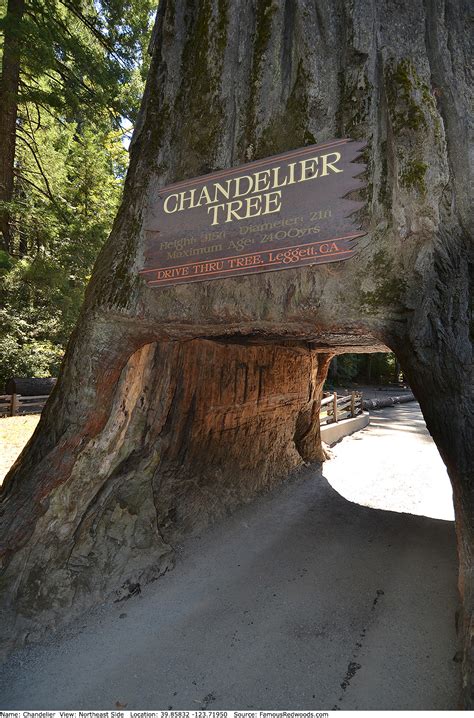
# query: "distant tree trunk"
396, 371
368, 368
9, 87
175, 404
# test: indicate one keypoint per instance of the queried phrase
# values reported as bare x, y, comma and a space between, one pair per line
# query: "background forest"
72, 75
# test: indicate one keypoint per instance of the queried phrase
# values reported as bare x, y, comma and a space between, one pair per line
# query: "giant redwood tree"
175, 404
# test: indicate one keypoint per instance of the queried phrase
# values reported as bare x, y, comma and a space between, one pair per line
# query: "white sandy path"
400, 469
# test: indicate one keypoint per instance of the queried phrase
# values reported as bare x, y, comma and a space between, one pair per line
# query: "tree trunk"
396, 371
9, 86
368, 369
307, 436
175, 404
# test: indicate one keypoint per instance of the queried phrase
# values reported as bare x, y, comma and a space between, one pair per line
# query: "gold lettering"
262, 181
272, 199
165, 204
255, 194
183, 198
327, 164
309, 165
220, 188
238, 192
203, 197
276, 183
215, 210
291, 167
253, 203
233, 209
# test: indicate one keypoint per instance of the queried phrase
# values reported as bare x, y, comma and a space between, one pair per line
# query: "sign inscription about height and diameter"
281, 212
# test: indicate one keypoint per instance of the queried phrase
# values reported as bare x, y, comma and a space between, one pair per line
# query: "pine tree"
77, 61
79, 78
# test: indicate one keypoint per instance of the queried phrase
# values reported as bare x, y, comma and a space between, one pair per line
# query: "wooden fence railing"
16, 404
334, 408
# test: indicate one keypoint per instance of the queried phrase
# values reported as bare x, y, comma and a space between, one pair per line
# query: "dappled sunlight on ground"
395, 466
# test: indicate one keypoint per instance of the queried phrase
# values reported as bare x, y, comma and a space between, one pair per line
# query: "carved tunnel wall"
205, 425
231, 429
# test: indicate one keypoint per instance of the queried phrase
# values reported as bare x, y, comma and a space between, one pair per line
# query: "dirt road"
303, 599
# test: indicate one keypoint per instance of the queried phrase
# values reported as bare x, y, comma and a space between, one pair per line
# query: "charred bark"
171, 402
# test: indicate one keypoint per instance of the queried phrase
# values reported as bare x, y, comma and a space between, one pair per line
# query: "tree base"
194, 429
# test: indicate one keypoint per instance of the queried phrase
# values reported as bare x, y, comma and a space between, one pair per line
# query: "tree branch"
48, 192
97, 34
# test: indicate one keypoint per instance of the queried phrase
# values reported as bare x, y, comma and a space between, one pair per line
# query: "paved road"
303, 599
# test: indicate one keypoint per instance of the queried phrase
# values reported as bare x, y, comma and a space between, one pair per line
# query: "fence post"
14, 405
334, 406
353, 404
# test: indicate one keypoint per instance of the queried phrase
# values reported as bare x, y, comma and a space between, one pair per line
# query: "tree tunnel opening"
403, 445
226, 419
212, 422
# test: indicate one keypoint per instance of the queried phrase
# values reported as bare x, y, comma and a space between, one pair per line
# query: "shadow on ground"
300, 600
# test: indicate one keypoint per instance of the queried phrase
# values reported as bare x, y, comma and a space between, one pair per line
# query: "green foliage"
42, 291
82, 71
363, 368
33, 358
83, 57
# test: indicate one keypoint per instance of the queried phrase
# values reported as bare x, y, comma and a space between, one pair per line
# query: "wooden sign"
281, 212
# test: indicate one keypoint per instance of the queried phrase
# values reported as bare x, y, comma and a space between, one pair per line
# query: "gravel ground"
304, 599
